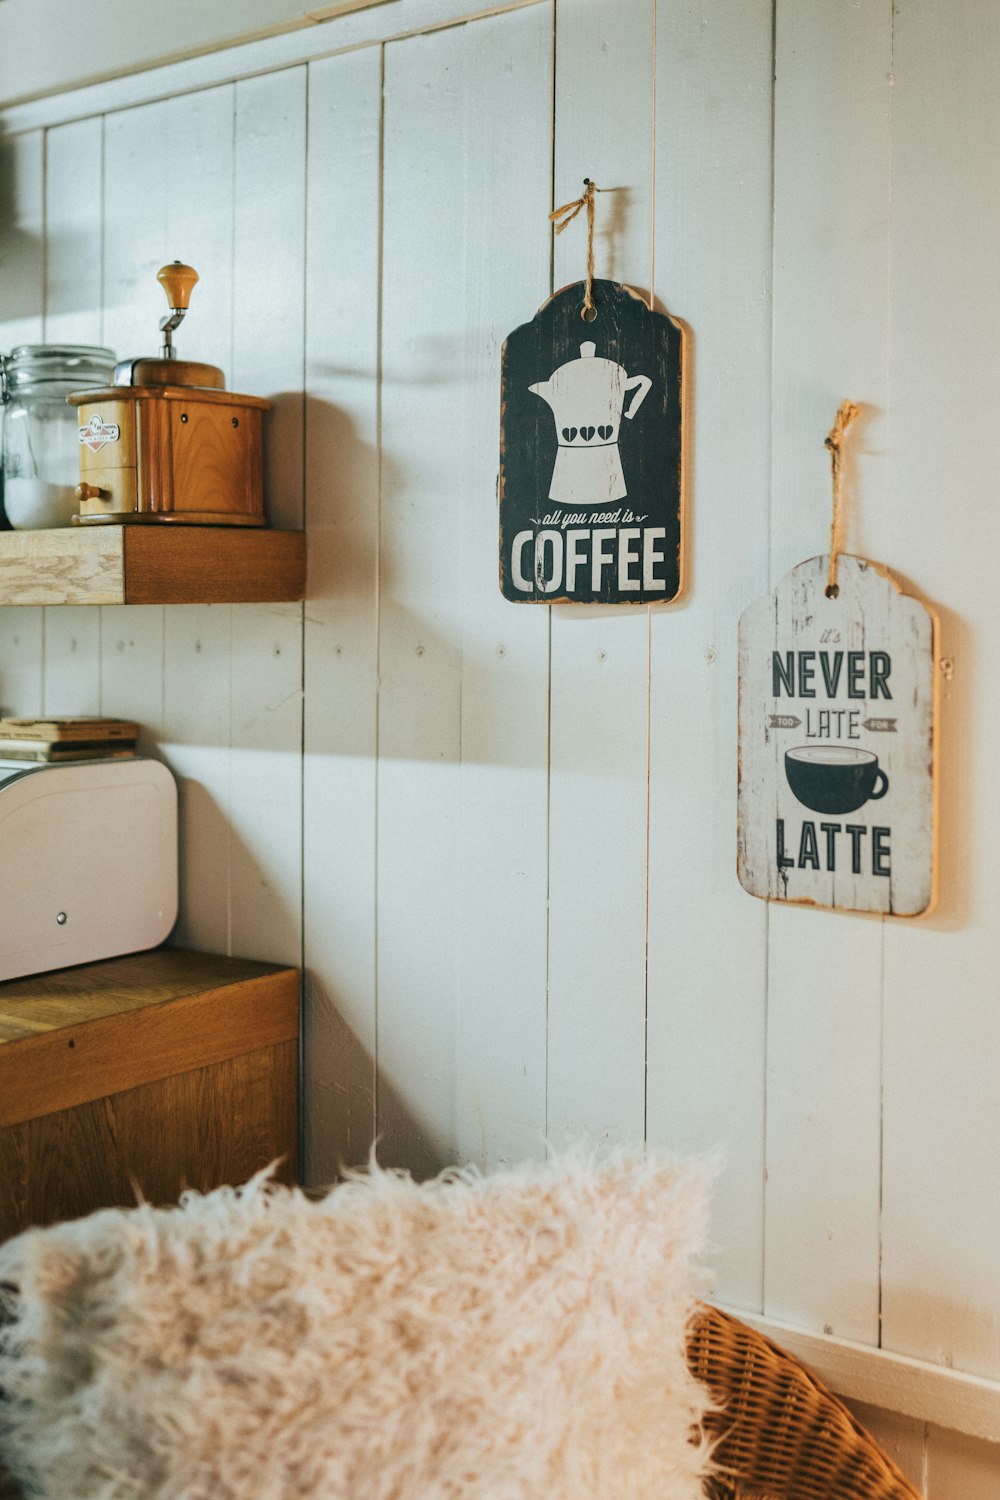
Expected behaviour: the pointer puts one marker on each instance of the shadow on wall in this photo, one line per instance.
(20, 250)
(613, 223)
(340, 1086)
(955, 665)
(220, 871)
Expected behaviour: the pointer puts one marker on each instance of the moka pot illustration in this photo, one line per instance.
(587, 397)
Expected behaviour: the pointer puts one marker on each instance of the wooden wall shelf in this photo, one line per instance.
(152, 564)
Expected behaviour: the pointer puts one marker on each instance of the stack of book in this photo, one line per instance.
(67, 739)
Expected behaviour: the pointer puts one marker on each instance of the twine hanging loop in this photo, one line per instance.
(565, 215)
(847, 412)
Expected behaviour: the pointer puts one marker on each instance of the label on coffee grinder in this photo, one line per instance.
(836, 799)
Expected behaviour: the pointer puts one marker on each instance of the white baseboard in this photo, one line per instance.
(895, 1382)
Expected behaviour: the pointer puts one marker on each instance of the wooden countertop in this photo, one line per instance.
(78, 1034)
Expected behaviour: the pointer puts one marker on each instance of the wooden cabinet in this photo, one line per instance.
(157, 1071)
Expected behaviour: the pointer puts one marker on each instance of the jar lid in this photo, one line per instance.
(79, 364)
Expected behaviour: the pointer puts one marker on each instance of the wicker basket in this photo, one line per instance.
(781, 1434)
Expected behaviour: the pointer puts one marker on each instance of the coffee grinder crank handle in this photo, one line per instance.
(178, 282)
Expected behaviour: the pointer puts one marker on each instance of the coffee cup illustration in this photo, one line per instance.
(834, 778)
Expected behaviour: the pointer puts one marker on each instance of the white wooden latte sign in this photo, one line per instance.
(837, 733)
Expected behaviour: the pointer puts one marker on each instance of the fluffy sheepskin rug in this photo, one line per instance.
(512, 1337)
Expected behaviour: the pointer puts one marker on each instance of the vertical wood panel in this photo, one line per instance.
(168, 183)
(22, 304)
(500, 1022)
(131, 661)
(72, 661)
(74, 169)
(269, 206)
(430, 123)
(942, 1029)
(600, 657)
(265, 783)
(961, 1468)
(195, 745)
(22, 227)
(74, 173)
(21, 661)
(341, 640)
(903, 1438)
(265, 769)
(713, 268)
(831, 222)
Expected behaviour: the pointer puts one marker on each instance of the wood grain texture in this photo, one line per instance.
(201, 1128)
(150, 565)
(227, 566)
(81, 1033)
(200, 456)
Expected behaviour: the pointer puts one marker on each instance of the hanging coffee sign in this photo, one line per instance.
(590, 448)
(836, 741)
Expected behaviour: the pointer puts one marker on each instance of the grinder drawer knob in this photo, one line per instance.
(90, 492)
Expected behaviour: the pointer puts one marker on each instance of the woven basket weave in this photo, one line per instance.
(780, 1434)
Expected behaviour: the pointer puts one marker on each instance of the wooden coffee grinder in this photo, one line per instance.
(167, 441)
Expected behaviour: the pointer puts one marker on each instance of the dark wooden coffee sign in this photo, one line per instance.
(837, 735)
(590, 453)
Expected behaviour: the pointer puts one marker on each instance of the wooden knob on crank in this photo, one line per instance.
(178, 281)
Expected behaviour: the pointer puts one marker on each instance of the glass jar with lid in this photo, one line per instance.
(41, 446)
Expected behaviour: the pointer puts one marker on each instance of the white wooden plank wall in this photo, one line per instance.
(942, 1024)
(707, 1000)
(599, 776)
(500, 1024)
(831, 218)
(501, 840)
(341, 636)
(427, 120)
(74, 157)
(22, 322)
(266, 656)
